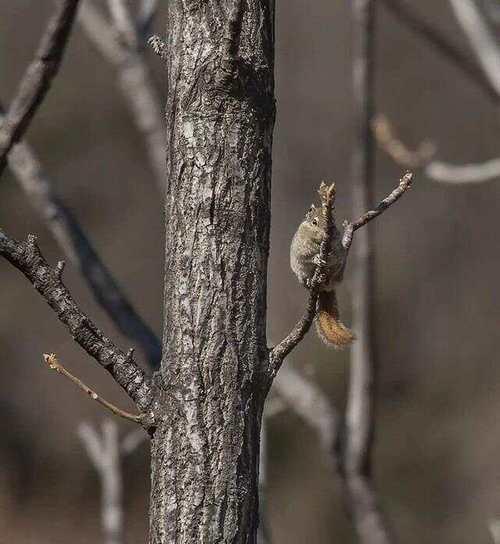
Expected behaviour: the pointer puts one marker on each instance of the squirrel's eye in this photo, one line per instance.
(315, 222)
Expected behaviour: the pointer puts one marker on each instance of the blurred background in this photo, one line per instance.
(437, 455)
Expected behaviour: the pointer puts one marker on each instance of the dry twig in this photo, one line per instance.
(37, 78)
(283, 348)
(27, 258)
(54, 364)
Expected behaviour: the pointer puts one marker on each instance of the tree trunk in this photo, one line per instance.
(220, 117)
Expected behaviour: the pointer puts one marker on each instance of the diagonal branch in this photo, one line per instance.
(312, 406)
(79, 251)
(480, 38)
(37, 78)
(133, 76)
(54, 364)
(406, 13)
(27, 258)
(283, 348)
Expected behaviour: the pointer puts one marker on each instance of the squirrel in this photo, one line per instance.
(304, 258)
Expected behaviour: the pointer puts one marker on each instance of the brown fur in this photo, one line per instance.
(328, 325)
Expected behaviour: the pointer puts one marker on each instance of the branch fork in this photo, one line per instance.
(327, 194)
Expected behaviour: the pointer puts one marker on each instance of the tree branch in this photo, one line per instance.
(356, 458)
(464, 173)
(405, 12)
(79, 251)
(433, 169)
(283, 348)
(307, 400)
(54, 364)
(27, 258)
(349, 228)
(133, 76)
(106, 453)
(480, 38)
(37, 78)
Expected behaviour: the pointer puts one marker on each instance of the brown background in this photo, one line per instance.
(437, 295)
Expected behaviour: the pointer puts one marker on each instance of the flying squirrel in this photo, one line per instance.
(305, 257)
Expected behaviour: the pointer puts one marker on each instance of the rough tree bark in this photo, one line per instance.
(220, 117)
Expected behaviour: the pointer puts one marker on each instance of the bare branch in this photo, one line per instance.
(132, 441)
(406, 13)
(307, 400)
(123, 23)
(281, 350)
(54, 364)
(134, 81)
(79, 251)
(356, 459)
(349, 228)
(27, 258)
(37, 78)
(100, 34)
(397, 150)
(483, 43)
(104, 452)
(466, 173)
(436, 170)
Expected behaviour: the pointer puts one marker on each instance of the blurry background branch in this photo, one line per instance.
(77, 248)
(37, 78)
(422, 158)
(356, 456)
(120, 41)
(405, 11)
(482, 41)
(107, 453)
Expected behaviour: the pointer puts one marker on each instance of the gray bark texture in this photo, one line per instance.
(213, 380)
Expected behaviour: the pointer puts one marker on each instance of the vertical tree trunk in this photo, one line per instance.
(220, 117)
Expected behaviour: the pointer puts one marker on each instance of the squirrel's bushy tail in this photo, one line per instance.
(328, 325)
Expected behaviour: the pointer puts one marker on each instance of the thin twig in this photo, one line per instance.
(79, 251)
(407, 14)
(37, 78)
(281, 350)
(54, 364)
(27, 258)
(133, 78)
(482, 41)
(349, 228)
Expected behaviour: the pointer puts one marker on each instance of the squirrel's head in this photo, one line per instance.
(314, 224)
